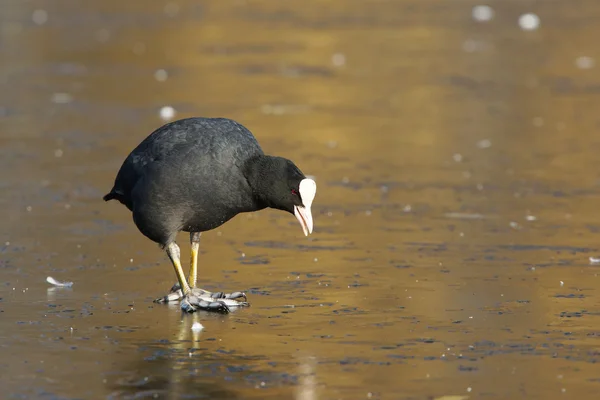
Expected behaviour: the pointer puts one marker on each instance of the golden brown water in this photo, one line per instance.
(456, 214)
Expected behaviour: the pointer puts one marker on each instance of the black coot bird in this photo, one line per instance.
(194, 175)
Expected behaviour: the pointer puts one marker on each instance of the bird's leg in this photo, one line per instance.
(176, 293)
(203, 299)
(195, 242)
(175, 256)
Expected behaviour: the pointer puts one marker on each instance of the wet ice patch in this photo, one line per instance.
(56, 283)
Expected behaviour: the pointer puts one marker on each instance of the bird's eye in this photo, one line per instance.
(294, 192)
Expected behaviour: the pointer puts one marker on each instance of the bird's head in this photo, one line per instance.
(281, 185)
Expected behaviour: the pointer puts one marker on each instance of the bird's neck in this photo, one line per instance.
(257, 171)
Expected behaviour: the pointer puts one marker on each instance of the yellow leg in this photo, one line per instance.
(174, 254)
(195, 241)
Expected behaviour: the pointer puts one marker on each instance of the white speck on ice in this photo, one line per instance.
(584, 62)
(562, 283)
(61, 98)
(39, 17)
(482, 13)
(102, 35)
(529, 22)
(472, 45)
(338, 60)
(171, 9)
(161, 75)
(197, 327)
(281, 109)
(594, 260)
(530, 217)
(484, 144)
(457, 157)
(459, 215)
(167, 113)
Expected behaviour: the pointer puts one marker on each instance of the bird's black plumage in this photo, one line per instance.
(197, 173)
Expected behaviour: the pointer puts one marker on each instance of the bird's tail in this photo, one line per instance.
(110, 196)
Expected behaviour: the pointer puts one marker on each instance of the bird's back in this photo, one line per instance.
(202, 148)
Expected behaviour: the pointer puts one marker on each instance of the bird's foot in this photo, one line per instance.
(175, 294)
(200, 299)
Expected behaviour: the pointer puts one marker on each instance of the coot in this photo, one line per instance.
(194, 175)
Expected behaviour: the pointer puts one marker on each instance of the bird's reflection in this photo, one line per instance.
(307, 381)
(172, 370)
(51, 292)
(186, 367)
